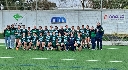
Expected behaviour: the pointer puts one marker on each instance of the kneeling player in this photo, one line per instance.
(41, 42)
(22, 43)
(48, 42)
(29, 41)
(60, 44)
(78, 42)
(34, 40)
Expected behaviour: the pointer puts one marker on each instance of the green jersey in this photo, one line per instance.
(78, 40)
(65, 39)
(29, 38)
(45, 32)
(87, 32)
(18, 32)
(60, 39)
(67, 30)
(13, 31)
(35, 31)
(54, 37)
(7, 33)
(56, 32)
(34, 39)
(23, 39)
(74, 32)
(41, 38)
(51, 31)
(82, 31)
(93, 33)
(48, 38)
(41, 31)
(24, 31)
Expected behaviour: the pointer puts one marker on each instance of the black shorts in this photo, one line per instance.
(79, 45)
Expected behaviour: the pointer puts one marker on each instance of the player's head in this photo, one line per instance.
(29, 34)
(51, 26)
(98, 24)
(28, 28)
(40, 27)
(82, 26)
(8, 26)
(19, 26)
(35, 34)
(41, 34)
(92, 28)
(87, 26)
(66, 26)
(72, 27)
(61, 27)
(53, 33)
(45, 27)
(23, 26)
(12, 25)
(78, 27)
(34, 27)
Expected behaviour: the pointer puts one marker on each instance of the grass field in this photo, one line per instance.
(22, 60)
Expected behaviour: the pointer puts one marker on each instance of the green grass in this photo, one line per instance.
(22, 59)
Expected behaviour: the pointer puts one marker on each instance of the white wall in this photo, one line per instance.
(73, 17)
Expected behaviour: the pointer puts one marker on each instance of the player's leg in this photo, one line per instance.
(43, 46)
(19, 44)
(12, 41)
(38, 45)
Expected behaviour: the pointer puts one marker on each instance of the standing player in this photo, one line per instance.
(45, 31)
(35, 30)
(7, 33)
(93, 37)
(24, 30)
(51, 30)
(54, 41)
(78, 29)
(78, 42)
(82, 31)
(74, 31)
(40, 30)
(56, 30)
(87, 36)
(99, 35)
(18, 35)
(67, 30)
(61, 30)
(12, 36)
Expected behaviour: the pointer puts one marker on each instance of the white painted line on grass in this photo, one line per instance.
(113, 48)
(68, 59)
(6, 57)
(2, 45)
(115, 61)
(40, 58)
(92, 60)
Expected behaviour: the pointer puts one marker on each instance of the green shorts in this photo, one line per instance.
(18, 37)
(83, 36)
